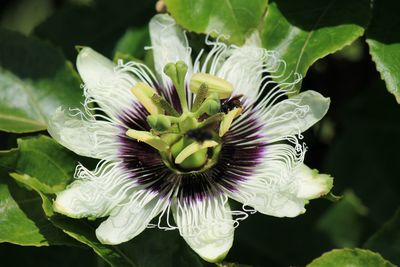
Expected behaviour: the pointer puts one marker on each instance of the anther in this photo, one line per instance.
(215, 84)
(148, 138)
(144, 93)
(227, 120)
(200, 96)
(163, 104)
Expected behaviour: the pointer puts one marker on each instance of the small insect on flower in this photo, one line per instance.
(231, 103)
(186, 141)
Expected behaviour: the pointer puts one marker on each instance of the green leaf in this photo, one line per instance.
(236, 18)
(350, 258)
(8, 159)
(33, 183)
(387, 239)
(383, 39)
(132, 43)
(83, 231)
(39, 163)
(22, 220)
(305, 30)
(35, 79)
(348, 211)
(23, 16)
(49, 164)
(170, 248)
(16, 227)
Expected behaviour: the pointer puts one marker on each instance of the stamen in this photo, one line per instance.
(213, 119)
(162, 103)
(177, 73)
(227, 120)
(201, 95)
(214, 83)
(149, 139)
(193, 148)
(144, 93)
(210, 106)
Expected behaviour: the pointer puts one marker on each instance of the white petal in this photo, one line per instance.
(90, 138)
(312, 184)
(81, 199)
(244, 70)
(93, 67)
(169, 43)
(130, 219)
(95, 193)
(207, 226)
(292, 196)
(280, 185)
(109, 87)
(272, 187)
(295, 115)
(277, 204)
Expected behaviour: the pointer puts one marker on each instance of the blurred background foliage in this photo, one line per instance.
(357, 142)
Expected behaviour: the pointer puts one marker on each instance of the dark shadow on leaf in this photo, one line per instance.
(385, 22)
(99, 25)
(60, 256)
(154, 247)
(28, 58)
(31, 204)
(310, 15)
(263, 240)
(151, 248)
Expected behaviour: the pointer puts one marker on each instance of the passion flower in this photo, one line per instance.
(186, 141)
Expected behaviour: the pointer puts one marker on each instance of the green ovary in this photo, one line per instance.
(194, 161)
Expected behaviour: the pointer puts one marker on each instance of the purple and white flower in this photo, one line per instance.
(178, 146)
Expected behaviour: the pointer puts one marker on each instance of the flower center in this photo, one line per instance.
(189, 141)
